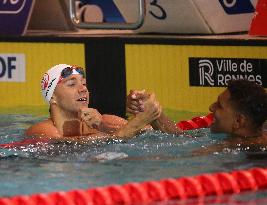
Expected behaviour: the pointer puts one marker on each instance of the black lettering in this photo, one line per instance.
(162, 15)
(10, 66)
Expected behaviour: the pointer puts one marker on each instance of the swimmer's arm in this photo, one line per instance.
(111, 127)
(112, 123)
(151, 112)
(136, 125)
(118, 128)
(132, 128)
(164, 124)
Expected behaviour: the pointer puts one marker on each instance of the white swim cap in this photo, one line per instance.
(50, 80)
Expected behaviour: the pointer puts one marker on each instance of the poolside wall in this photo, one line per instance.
(170, 67)
(167, 70)
(38, 56)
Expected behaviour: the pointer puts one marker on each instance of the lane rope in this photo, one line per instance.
(199, 186)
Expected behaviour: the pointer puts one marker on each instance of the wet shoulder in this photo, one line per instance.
(44, 128)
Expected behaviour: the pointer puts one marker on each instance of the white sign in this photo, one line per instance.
(12, 67)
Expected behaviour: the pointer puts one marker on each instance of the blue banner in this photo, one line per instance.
(14, 16)
(232, 7)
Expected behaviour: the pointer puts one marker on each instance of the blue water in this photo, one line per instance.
(148, 156)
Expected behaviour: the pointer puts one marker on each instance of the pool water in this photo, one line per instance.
(44, 167)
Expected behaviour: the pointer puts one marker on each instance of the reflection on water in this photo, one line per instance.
(46, 167)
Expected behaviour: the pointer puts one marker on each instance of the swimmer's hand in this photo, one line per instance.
(152, 111)
(135, 101)
(91, 117)
(139, 101)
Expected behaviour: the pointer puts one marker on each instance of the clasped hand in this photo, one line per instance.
(91, 117)
(143, 102)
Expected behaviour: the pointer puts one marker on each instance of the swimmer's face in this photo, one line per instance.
(223, 114)
(71, 94)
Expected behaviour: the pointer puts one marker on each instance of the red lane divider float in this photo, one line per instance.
(215, 184)
(196, 122)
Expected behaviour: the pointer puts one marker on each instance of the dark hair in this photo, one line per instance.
(250, 99)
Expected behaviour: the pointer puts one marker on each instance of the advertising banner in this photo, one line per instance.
(22, 65)
(12, 67)
(14, 16)
(190, 77)
(216, 72)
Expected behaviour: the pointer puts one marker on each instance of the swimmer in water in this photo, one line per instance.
(64, 89)
(240, 111)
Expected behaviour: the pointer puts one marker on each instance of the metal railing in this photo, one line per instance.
(108, 25)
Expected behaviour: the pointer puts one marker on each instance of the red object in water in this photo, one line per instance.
(22, 143)
(259, 22)
(187, 125)
(196, 122)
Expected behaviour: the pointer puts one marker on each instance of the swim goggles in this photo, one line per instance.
(66, 72)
